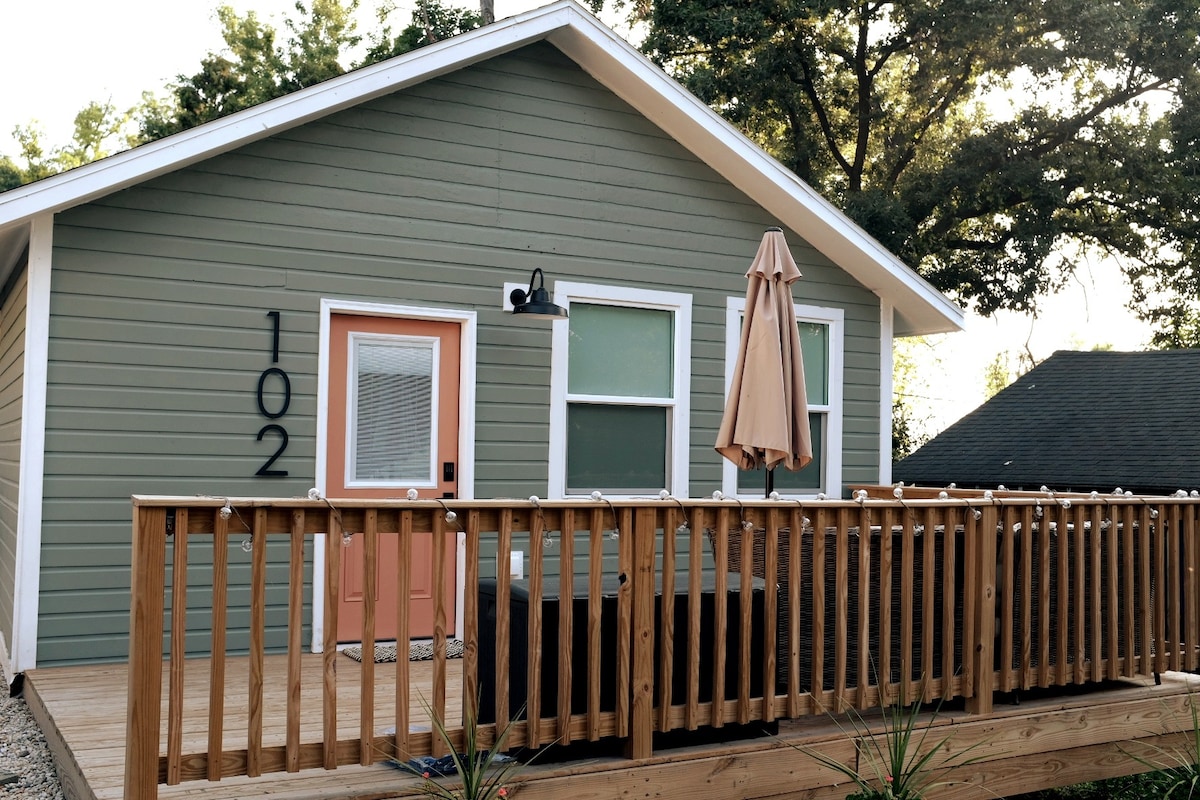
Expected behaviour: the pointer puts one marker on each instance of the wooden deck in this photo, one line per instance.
(1040, 742)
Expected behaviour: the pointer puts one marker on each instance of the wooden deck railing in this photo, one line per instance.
(741, 613)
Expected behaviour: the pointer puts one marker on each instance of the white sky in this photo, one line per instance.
(58, 55)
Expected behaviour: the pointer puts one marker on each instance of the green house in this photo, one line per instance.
(255, 307)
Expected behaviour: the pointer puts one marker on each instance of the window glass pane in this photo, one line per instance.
(753, 483)
(393, 412)
(620, 449)
(814, 345)
(620, 351)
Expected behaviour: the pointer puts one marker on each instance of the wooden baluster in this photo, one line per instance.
(1190, 599)
(333, 572)
(366, 683)
(1174, 590)
(440, 626)
(745, 582)
(179, 586)
(1063, 541)
(642, 623)
(295, 641)
(216, 672)
(471, 619)
(928, 601)
(720, 613)
(818, 607)
(971, 534)
(907, 592)
(595, 619)
(403, 578)
(884, 678)
(504, 620)
(1128, 598)
(795, 587)
(954, 524)
(1005, 584)
(144, 707)
(1096, 586)
(1046, 542)
(258, 632)
(1113, 594)
(983, 593)
(691, 714)
(1028, 543)
(625, 567)
(533, 654)
(566, 626)
(666, 634)
(841, 607)
(864, 655)
(770, 618)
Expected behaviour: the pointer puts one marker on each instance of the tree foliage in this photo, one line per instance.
(96, 134)
(992, 144)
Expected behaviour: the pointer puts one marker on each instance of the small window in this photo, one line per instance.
(619, 407)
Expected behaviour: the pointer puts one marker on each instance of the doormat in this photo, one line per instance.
(417, 651)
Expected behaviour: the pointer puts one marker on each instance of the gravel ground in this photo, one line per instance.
(26, 768)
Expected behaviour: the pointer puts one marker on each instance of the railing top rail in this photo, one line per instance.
(978, 500)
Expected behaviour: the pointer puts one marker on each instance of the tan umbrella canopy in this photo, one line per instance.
(766, 414)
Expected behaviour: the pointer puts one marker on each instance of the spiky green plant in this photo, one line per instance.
(899, 762)
(482, 774)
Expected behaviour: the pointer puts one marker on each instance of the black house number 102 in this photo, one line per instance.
(277, 407)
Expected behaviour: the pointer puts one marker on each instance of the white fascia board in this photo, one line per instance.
(609, 59)
(131, 167)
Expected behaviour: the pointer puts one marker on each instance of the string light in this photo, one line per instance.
(411, 494)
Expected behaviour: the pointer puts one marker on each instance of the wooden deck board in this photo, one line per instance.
(85, 706)
(1052, 740)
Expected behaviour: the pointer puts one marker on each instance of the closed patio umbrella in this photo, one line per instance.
(766, 413)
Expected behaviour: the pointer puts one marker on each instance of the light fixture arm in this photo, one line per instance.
(536, 303)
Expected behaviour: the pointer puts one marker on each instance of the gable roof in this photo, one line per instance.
(1085, 421)
(919, 307)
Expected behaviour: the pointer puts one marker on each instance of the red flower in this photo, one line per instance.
(426, 775)
(889, 779)
(502, 792)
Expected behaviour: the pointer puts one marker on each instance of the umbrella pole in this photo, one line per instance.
(770, 482)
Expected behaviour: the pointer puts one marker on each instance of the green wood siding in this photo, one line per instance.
(434, 196)
(12, 375)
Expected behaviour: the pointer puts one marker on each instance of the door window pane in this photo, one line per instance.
(620, 351)
(619, 449)
(393, 411)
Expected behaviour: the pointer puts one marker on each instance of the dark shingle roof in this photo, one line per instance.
(1081, 421)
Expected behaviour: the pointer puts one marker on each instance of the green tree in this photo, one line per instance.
(910, 391)
(992, 145)
(431, 22)
(97, 133)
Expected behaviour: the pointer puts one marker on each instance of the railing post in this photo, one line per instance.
(983, 649)
(147, 583)
(642, 722)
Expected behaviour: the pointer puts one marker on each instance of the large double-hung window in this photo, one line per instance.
(821, 343)
(619, 392)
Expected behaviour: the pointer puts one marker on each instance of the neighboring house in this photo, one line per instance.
(1079, 421)
(215, 312)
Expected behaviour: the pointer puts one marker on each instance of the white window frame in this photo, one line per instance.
(835, 320)
(678, 407)
(433, 345)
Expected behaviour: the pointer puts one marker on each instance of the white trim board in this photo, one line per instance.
(22, 650)
(468, 354)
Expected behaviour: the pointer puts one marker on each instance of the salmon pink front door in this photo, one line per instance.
(393, 426)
